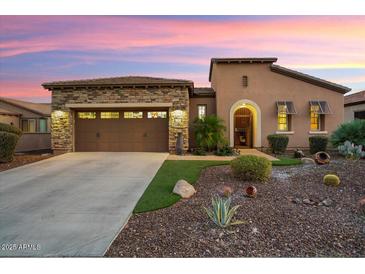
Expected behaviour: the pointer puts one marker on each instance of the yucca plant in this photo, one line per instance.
(221, 213)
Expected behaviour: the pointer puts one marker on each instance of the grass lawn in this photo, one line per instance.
(286, 161)
(159, 193)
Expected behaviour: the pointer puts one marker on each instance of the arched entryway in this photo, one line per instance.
(242, 108)
(243, 128)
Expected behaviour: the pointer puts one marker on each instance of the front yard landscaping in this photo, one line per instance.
(294, 214)
(21, 160)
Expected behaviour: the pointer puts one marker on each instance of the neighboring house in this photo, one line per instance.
(355, 106)
(253, 96)
(32, 118)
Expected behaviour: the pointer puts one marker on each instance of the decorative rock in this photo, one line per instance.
(362, 206)
(296, 201)
(327, 202)
(251, 191)
(308, 202)
(184, 189)
(299, 154)
(308, 161)
(322, 158)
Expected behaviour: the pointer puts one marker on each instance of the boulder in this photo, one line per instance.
(299, 153)
(308, 161)
(184, 189)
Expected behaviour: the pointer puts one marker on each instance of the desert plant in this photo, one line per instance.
(317, 143)
(8, 143)
(251, 167)
(224, 150)
(199, 151)
(353, 132)
(278, 143)
(209, 132)
(331, 180)
(221, 213)
(351, 151)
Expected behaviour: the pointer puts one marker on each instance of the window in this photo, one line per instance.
(315, 118)
(202, 111)
(359, 114)
(109, 115)
(318, 109)
(285, 109)
(133, 115)
(87, 115)
(244, 81)
(29, 125)
(156, 114)
(42, 125)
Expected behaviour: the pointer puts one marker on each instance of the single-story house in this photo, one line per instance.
(34, 119)
(253, 96)
(355, 106)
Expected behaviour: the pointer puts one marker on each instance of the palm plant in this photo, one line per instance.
(209, 132)
(221, 213)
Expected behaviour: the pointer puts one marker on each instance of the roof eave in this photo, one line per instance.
(309, 79)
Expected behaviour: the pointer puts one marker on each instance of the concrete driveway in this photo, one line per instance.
(73, 204)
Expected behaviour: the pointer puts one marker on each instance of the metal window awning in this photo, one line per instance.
(323, 106)
(288, 105)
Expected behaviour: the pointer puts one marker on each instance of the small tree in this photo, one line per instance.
(209, 132)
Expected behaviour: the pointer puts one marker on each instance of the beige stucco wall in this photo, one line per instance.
(349, 111)
(210, 102)
(265, 88)
(8, 119)
(62, 129)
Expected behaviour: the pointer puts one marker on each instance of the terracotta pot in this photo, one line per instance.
(322, 158)
(251, 191)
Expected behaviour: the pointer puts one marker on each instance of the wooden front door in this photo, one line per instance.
(243, 128)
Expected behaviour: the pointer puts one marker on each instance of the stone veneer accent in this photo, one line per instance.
(62, 117)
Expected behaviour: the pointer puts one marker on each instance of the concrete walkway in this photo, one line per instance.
(222, 158)
(73, 204)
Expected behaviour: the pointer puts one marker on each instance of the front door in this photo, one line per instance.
(243, 128)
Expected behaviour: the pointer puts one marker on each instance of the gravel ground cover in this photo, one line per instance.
(294, 215)
(20, 160)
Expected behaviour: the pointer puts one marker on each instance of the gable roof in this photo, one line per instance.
(355, 98)
(250, 60)
(127, 81)
(39, 108)
(309, 79)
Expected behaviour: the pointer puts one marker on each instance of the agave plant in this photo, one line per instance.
(221, 213)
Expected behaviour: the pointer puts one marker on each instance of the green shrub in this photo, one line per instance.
(353, 132)
(317, 143)
(9, 128)
(278, 143)
(225, 150)
(331, 180)
(200, 152)
(8, 143)
(251, 167)
(209, 132)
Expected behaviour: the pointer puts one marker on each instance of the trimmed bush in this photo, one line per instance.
(251, 167)
(8, 143)
(9, 128)
(317, 143)
(353, 132)
(278, 143)
(331, 180)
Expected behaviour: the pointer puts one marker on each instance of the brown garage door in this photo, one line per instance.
(121, 130)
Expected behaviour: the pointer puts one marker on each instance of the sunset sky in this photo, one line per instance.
(36, 49)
